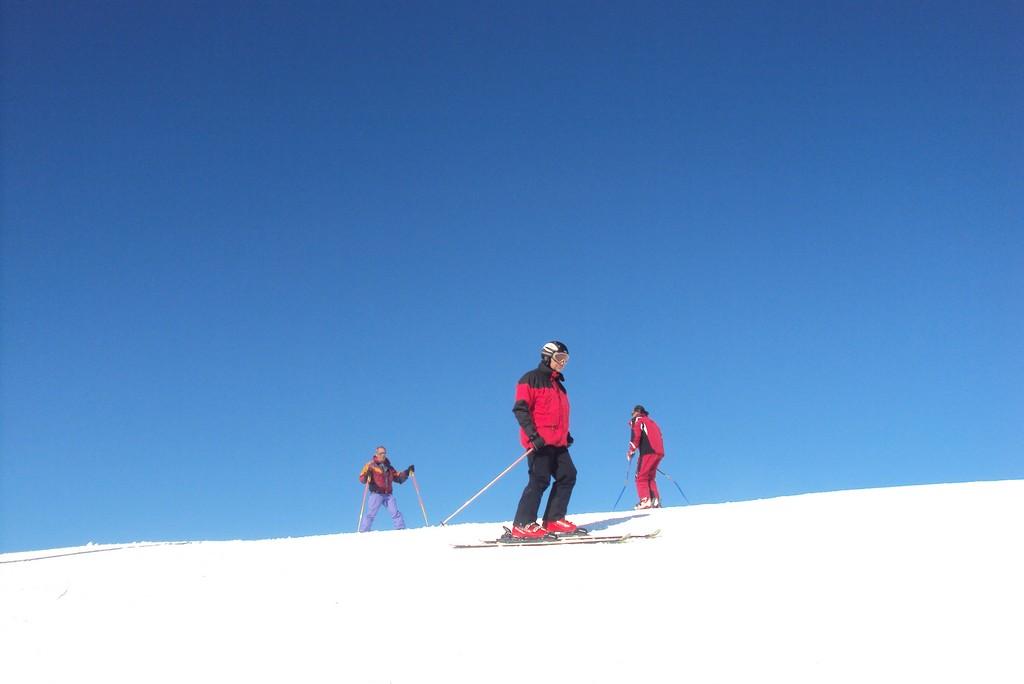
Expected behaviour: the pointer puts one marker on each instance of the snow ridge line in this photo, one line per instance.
(80, 553)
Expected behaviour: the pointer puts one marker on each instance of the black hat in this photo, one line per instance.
(640, 409)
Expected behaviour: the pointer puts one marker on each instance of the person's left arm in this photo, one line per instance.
(401, 476)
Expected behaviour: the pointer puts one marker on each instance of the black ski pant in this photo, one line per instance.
(549, 462)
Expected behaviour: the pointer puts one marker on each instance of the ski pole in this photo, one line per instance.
(487, 486)
(414, 484)
(625, 484)
(675, 483)
(362, 505)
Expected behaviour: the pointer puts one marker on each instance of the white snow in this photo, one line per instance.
(911, 584)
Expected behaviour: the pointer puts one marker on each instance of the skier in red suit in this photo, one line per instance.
(645, 438)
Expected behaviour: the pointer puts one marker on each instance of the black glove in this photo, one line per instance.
(538, 442)
(570, 440)
(411, 469)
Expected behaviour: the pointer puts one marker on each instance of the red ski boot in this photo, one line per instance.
(528, 531)
(562, 527)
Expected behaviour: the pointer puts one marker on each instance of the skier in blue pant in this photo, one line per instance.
(379, 474)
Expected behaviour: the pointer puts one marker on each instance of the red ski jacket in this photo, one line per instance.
(646, 436)
(381, 475)
(542, 407)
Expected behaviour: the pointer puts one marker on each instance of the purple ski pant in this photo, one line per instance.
(373, 505)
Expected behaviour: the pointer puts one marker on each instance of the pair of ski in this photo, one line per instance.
(556, 540)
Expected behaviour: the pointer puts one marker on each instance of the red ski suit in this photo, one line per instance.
(645, 437)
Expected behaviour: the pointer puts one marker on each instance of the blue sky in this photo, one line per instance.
(245, 243)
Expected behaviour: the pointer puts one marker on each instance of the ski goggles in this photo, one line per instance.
(560, 357)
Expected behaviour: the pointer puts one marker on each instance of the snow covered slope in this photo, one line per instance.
(912, 584)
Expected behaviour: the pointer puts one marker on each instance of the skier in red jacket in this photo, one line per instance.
(542, 410)
(645, 438)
